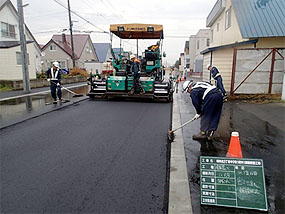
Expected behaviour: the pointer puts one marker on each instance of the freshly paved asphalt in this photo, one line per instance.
(91, 157)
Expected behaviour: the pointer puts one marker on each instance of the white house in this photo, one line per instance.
(198, 42)
(10, 50)
(255, 25)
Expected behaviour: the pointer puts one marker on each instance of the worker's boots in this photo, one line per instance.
(200, 136)
(132, 91)
(210, 135)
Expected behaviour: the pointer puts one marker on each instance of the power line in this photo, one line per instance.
(75, 13)
(115, 10)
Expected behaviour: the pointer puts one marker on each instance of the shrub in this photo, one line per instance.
(5, 88)
(41, 75)
(78, 72)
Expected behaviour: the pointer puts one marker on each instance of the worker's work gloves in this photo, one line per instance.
(57, 84)
(48, 79)
(225, 97)
(196, 116)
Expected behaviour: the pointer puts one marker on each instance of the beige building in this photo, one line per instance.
(198, 43)
(10, 50)
(241, 24)
(59, 49)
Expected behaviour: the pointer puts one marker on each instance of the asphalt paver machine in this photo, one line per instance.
(119, 83)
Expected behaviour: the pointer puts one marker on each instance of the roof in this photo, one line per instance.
(137, 31)
(79, 41)
(260, 18)
(229, 45)
(101, 50)
(10, 44)
(186, 45)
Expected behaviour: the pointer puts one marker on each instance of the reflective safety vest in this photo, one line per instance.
(205, 85)
(54, 75)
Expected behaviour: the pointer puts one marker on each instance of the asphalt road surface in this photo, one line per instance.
(93, 157)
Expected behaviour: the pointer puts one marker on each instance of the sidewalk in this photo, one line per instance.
(5, 95)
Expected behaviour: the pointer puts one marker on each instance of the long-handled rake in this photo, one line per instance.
(72, 92)
(170, 133)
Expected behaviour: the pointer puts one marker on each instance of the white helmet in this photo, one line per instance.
(186, 85)
(132, 56)
(55, 64)
(208, 66)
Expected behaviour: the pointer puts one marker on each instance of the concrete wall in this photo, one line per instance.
(258, 82)
(94, 66)
(9, 70)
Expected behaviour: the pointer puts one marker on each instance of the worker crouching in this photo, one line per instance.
(208, 102)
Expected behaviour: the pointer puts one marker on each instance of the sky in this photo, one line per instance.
(180, 19)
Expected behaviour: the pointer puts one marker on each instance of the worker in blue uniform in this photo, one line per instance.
(136, 73)
(208, 102)
(219, 81)
(54, 77)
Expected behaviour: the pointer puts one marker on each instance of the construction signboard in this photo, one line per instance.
(233, 182)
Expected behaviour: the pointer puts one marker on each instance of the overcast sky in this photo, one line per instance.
(180, 19)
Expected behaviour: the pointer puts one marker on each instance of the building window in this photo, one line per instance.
(8, 30)
(228, 18)
(208, 42)
(218, 27)
(52, 47)
(212, 35)
(198, 44)
(19, 58)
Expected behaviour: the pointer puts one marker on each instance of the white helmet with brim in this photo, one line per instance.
(55, 64)
(187, 84)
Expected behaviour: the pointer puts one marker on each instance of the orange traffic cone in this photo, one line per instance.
(235, 148)
(182, 79)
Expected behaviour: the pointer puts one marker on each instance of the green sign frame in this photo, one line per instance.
(233, 182)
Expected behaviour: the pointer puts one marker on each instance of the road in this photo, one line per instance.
(91, 157)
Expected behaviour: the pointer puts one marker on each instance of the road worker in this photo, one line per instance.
(219, 81)
(136, 73)
(54, 77)
(208, 102)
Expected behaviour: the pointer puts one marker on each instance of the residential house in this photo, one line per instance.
(59, 49)
(242, 24)
(103, 51)
(182, 60)
(186, 55)
(10, 50)
(198, 42)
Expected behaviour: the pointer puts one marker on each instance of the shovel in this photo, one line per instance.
(170, 133)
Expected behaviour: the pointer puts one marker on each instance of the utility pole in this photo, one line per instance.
(71, 37)
(25, 69)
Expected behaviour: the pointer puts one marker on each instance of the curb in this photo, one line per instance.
(179, 192)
